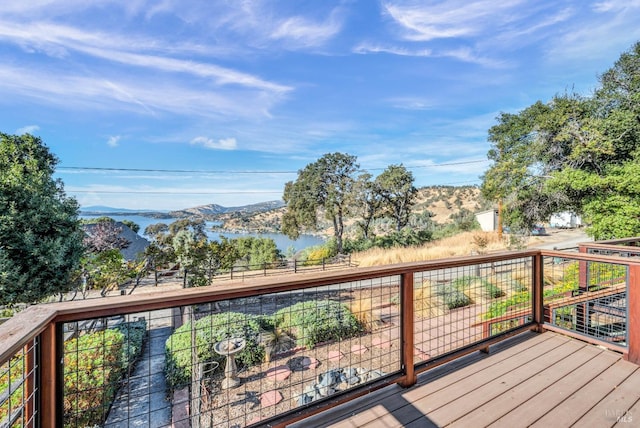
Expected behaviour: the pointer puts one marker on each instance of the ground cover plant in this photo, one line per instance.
(94, 365)
(317, 321)
(10, 374)
(477, 288)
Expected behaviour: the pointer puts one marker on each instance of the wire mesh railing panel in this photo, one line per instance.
(114, 371)
(457, 307)
(18, 389)
(587, 297)
(231, 363)
(261, 357)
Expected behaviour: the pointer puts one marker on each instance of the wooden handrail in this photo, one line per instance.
(29, 323)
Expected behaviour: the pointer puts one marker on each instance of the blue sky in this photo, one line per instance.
(196, 102)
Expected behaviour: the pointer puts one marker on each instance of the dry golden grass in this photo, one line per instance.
(362, 309)
(459, 245)
(425, 303)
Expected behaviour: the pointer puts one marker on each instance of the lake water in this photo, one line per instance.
(282, 241)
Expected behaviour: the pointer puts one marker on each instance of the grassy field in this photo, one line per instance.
(463, 244)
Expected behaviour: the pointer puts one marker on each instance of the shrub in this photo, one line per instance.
(275, 341)
(208, 331)
(10, 373)
(133, 336)
(317, 321)
(518, 301)
(94, 364)
(478, 288)
(316, 254)
(92, 370)
(452, 296)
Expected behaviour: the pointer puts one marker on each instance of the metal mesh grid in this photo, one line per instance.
(290, 349)
(114, 371)
(587, 297)
(457, 307)
(18, 389)
(625, 251)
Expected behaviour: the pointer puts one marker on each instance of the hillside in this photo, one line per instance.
(441, 201)
(215, 211)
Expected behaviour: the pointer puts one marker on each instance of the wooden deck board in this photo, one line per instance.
(630, 418)
(490, 384)
(546, 400)
(567, 412)
(521, 393)
(614, 405)
(451, 372)
(541, 379)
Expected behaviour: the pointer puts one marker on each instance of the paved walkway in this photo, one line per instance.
(142, 401)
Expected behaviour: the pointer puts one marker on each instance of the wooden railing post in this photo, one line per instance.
(406, 326)
(633, 314)
(50, 403)
(538, 292)
(29, 385)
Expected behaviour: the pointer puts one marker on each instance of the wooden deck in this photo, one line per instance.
(541, 380)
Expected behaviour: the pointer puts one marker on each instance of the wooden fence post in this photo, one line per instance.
(30, 386)
(538, 291)
(50, 403)
(406, 333)
(633, 314)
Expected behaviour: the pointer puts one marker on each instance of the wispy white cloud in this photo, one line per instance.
(412, 103)
(114, 141)
(364, 48)
(29, 129)
(598, 36)
(58, 41)
(615, 5)
(73, 91)
(300, 31)
(429, 20)
(221, 144)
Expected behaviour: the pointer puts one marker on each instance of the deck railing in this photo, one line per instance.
(300, 343)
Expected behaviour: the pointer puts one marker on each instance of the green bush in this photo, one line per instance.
(517, 301)
(208, 331)
(133, 334)
(478, 286)
(452, 296)
(92, 369)
(311, 256)
(317, 321)
(94, 365)
(10, 373)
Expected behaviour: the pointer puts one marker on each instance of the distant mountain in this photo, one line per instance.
(213, 210)
(102, 209)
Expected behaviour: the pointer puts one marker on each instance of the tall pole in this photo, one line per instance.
(500, 218)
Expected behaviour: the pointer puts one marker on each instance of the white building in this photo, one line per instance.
(565, 220)
(488, 220)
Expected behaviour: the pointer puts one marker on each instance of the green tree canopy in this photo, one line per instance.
(326, 185)
(573, 153)
(395, 185)
(40, 235)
